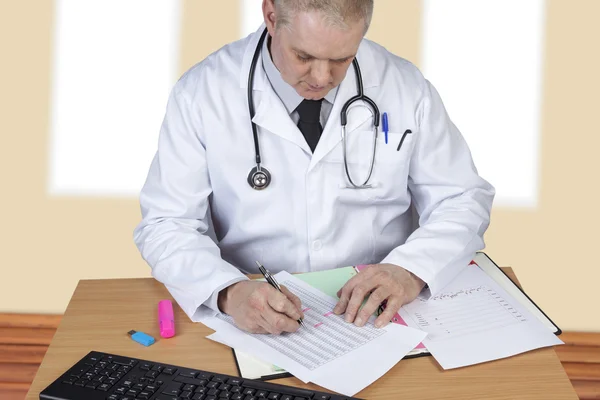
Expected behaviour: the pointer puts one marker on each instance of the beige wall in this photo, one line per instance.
(48, 243)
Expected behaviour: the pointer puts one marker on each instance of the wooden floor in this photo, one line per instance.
(24, 339)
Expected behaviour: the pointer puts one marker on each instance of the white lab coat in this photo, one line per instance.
(306, 220)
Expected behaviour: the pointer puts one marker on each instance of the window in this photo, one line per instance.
(115, 63)
(485, 59)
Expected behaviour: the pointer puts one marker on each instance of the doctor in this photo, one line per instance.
(306, 147)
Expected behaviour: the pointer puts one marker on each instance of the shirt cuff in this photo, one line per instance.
(213, 301)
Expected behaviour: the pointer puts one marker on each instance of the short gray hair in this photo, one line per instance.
(336, 12)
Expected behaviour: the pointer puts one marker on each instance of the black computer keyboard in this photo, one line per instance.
(102, 376)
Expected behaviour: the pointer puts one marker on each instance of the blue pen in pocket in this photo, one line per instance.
(385, 126)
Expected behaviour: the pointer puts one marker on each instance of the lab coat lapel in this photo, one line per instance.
(272, 116)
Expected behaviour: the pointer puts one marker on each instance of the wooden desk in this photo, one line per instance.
(102, 311)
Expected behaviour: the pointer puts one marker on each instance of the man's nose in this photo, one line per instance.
(321, 74)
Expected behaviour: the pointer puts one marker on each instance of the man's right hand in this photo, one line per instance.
(257, 307)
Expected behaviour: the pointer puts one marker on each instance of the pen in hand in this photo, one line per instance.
(271, 280)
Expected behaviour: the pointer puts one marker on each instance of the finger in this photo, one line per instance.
(282, 304)
(346, 291)
(294, 299)
(393, 305)
(276, 322)
(358, 296)
(375, 300)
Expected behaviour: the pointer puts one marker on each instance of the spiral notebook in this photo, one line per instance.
(330, 281)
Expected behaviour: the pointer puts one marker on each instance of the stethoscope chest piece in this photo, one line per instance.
(259, 178)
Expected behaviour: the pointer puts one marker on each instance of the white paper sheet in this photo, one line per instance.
(474, 320)
(329, 351)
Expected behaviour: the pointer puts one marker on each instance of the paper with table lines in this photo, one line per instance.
(329, 351)
(474, 320)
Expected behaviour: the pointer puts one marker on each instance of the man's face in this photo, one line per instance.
(313, 57)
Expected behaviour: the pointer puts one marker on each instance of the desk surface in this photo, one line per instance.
(102, 311)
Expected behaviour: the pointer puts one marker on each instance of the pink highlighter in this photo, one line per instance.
(166, 319)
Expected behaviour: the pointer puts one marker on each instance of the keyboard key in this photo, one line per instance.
(287, 397)
(81, 382)
(212, 392)
(198, 396)
(201, 390)
(211, 398)
(234, 381)
(151, 388)
(204, 375)
(236, 389)
(139, 386)
(224, 386)
(121, 390)
(79, 371)
(274, 396)
(212, 385)
(71, 380)
(248, 391)
(237, 396)
(169, 370)
(92, 385)
(113, 397)
(185, 395)
(189, 388)
(145, 366)
(104, 387)
(132, 392)
(225, 395)
(172, 389)
(163, 397)
(111, 381)
(158, 368)
(262, 393)
(152, 374)
(321, 397)
(144, 395)
(188, 374)
(190, 381)
(219, 379)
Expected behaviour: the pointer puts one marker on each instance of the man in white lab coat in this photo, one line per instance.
(204, 226)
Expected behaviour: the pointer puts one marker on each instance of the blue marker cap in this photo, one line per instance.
(385, 126)
(141, 338)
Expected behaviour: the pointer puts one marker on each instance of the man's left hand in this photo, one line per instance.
(380, 282)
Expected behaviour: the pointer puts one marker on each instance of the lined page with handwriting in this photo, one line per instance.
(474, 320)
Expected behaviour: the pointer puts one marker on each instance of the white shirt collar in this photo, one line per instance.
(288, 95)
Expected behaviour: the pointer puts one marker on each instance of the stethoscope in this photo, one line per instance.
(260, 177)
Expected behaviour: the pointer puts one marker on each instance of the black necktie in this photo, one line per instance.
(309, 122)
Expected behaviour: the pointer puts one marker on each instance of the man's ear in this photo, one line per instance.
(268, 8)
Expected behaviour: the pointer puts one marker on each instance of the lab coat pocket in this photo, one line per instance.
(387, 171)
